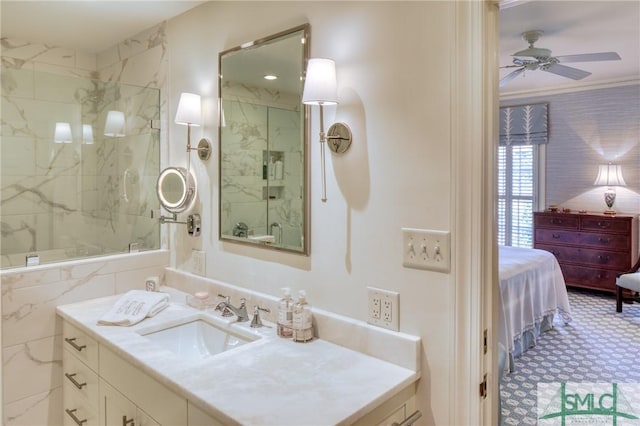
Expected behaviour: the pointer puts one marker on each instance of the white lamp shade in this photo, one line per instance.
(114, 125)
(189, 111)
(609, 175)
(62, 133)
(320, 86)
(87, 134)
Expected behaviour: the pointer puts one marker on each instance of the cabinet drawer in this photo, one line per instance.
(608, 241)
(606, 224)
(593, 257)
(77, 411)
(601, 279)
(80, 378)
(555, 221)
(80, 345)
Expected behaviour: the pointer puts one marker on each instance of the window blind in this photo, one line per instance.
(524, 125)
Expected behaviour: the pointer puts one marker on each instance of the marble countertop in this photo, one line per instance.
(269, 381)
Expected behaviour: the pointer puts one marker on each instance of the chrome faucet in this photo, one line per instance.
(228, 309)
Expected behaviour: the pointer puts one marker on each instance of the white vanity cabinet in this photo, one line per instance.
(116, 409)
(395, 410)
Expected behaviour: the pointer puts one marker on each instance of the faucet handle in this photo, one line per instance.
(243, 302)
(256, 321)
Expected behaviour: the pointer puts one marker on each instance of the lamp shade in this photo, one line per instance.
(609, 175)
(189, 111)
(114, 125)
(320, 86)
(62, 134)
(87, 134)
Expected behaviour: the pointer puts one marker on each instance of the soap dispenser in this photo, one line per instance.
(285, 314)
(302, 319)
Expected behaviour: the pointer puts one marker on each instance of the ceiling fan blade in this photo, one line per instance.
(507, 78)
(569, 72)
(589, 57)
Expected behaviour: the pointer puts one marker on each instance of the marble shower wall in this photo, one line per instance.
(66, 201)
(261, 126)
(31, 334)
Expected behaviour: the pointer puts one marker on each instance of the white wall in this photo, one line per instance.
(393, 62)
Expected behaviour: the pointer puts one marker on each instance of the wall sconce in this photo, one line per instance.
(321, 88)
(62, 133)
(115, 124)
(87, 134)
(610, 175)
(189, 114)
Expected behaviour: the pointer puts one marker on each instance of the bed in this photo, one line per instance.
(532, 292)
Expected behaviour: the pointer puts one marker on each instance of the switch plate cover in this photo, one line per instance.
(426, 249)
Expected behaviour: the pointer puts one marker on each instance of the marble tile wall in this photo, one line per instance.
(260, 129)
(32, 333)
(112, 183)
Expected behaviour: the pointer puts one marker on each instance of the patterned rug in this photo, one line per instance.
(598, 346)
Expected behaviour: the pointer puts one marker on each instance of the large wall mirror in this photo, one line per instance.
(264, 194)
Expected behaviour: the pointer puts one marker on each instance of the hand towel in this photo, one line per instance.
(134, 306)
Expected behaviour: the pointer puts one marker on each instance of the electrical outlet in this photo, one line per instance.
(426, 249)
(198, 262)
(374, 306)
(384, 308)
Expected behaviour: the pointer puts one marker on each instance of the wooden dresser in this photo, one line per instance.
(592, 248)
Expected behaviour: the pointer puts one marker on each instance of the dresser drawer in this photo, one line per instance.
(608, 241)
(555, 221)
(618, 225)
(602, 279)
(80, 378)
(80, 345)
(586, 256)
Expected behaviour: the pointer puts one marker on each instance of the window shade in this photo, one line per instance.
(524, 125)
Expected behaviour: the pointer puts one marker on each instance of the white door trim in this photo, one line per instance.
(474, 250)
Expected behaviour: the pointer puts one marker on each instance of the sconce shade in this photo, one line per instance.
(114, 126)
(87, 134)
(320, 86)
(609, 175)
(62, 134)
(189, 111)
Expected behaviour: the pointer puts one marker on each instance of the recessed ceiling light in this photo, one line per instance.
(270, 77)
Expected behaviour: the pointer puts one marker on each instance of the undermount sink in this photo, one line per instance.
(197, 339)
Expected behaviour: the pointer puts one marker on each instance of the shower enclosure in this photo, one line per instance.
(79, 162)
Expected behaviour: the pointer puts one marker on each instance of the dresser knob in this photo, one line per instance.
(556, 236)
(603, 224)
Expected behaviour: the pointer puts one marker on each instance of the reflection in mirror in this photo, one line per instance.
(176, 189)
(263, 140)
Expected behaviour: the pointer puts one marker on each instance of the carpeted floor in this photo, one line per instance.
(598, 346)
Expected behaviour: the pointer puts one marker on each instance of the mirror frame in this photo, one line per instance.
(306, 204)
(188, 193)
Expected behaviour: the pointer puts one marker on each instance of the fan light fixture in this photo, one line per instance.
(321, 88)
(610, 175)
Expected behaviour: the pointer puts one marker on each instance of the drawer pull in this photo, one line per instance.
(604, 240)
(605, 257)
(409, 421)
(74, 381)
(126, 422)
(604, 225)
(556, 236)
(71, 414)
(556, 221)
(72, 342)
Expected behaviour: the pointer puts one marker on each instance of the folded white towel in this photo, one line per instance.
(134, 306)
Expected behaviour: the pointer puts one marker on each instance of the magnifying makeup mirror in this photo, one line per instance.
(176, 189)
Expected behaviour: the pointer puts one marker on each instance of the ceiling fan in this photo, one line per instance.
(538, 58)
